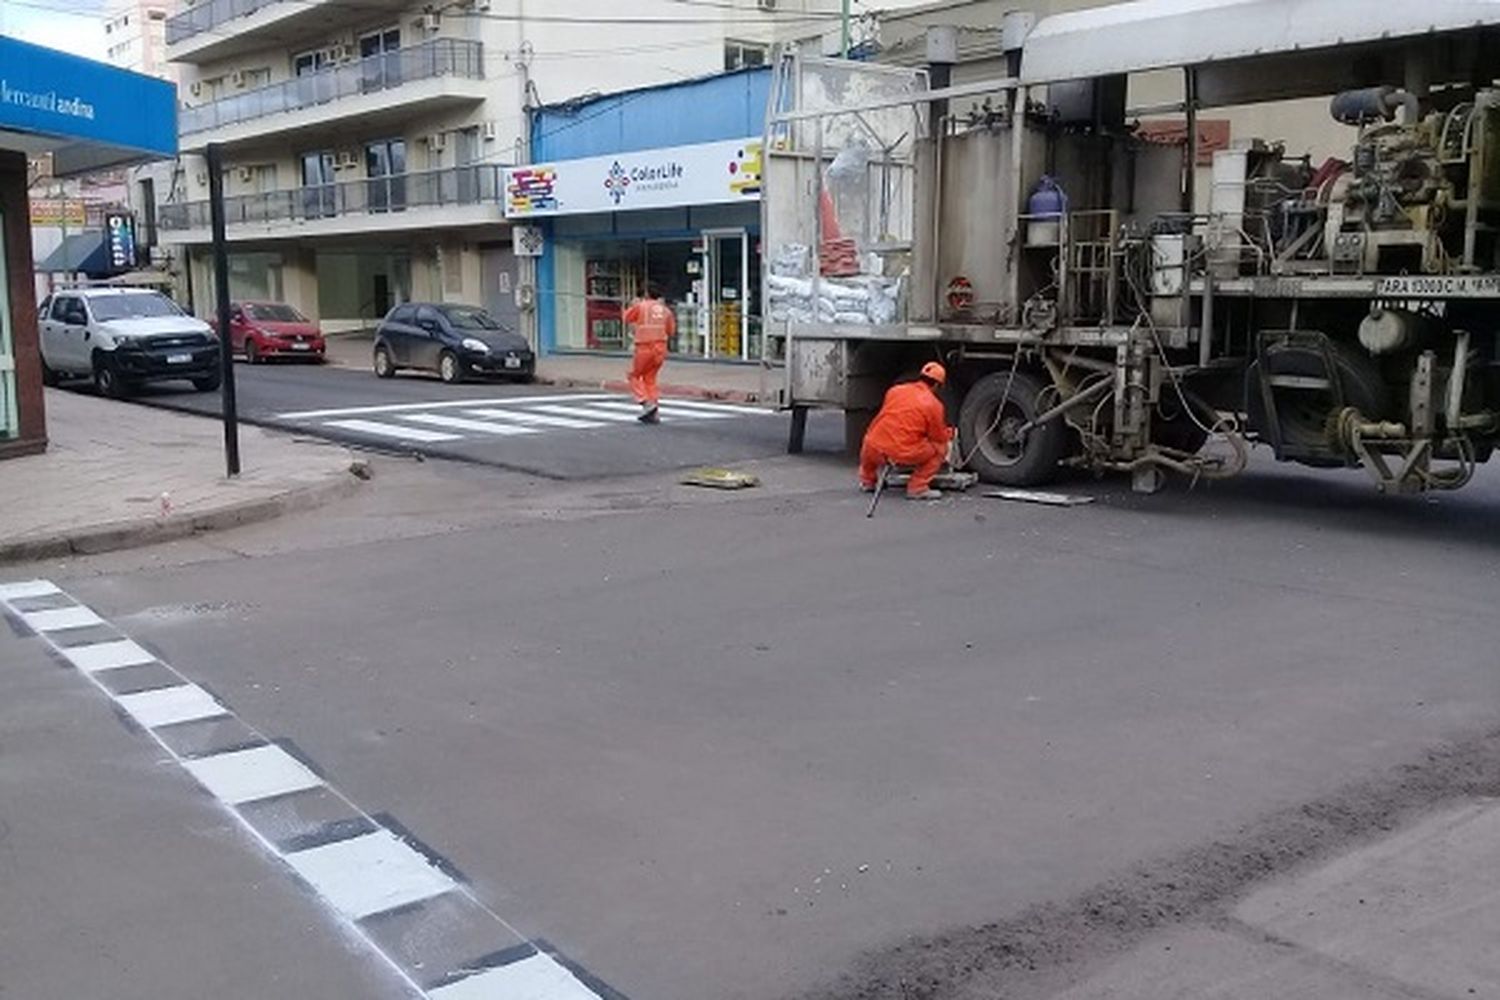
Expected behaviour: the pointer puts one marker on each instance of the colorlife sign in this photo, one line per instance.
(710, 173)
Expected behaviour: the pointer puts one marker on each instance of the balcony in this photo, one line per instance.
(427, 77)
(432, 199)
(215, 29)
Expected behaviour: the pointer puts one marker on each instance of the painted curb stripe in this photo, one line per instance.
(171, 705)
(250, 775)
(107, 656)
(369, 874)
(365, 870)
(27, 588)
(539, 977)
(58, 619)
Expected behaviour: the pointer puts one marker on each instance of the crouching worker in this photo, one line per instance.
(911, 430)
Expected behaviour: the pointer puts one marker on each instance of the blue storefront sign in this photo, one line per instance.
(108, 115)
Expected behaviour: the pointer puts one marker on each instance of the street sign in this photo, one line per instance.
(528, 241)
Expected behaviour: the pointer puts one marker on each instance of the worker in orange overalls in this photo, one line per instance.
(911, 429)
(654, 323)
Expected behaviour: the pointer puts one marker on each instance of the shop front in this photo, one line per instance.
(657, 189)
(88, 116)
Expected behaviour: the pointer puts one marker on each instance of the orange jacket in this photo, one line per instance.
(653, 321)
(911, 421)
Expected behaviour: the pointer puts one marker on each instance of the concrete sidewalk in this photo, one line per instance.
(736, 382)
(117, 476)
(1413, 916)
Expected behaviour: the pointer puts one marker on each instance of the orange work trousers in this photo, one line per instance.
(924, 461)
(643, 369)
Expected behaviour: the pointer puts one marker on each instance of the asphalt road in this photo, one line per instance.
(758, 747)
(414, 413)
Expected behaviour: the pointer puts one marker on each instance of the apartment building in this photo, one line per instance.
(135, 36)
(365, 142)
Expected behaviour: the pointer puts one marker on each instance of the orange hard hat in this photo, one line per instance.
(934, 371)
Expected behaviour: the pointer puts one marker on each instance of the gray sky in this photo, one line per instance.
(49, 23)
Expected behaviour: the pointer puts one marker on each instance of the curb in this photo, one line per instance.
(116, 535)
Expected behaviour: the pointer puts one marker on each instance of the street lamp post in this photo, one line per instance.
(221, 294)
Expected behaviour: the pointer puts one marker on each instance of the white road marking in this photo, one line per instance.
(355, 411)
(357, 877)
(668, 410)
(539, 977)
(584, 413)
(61, 618)
(27, 588)
(466, 424)
(537, 419)
(717, 407)
(107, 656)
(394, 431)
(253, 774)
(169, 706)
(369, 874)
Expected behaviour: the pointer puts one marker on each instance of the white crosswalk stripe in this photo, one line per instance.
(448, 421)
(379, 429)
(467, 424)
(537, 419)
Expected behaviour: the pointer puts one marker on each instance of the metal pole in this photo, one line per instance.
(221, 294)
(844, 42)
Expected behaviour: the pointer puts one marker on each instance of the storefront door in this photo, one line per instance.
(9, 419)
(726, 271)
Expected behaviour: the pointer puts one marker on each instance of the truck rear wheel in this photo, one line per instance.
(989, 423)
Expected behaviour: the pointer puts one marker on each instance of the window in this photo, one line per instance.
(133, 305)
(403, 314)
(427, 318)
(146, 188)
(309, 62)
(63, 306)
(385, 166)
(740, 55)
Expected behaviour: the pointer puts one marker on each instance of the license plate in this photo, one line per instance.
(179, 359)
(512, 362)
(301, 347)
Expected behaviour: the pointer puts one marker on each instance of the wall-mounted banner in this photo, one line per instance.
(710, 173)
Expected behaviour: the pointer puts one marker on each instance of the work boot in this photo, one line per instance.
(865, 487)
(650, 415)
(928, 494)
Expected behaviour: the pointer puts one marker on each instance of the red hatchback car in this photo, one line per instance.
(264, 330)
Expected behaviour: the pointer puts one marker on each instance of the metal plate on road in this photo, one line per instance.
(1438, 286)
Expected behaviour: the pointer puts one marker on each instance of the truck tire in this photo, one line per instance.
(986, 432)
(108, 382)
(1305, 416)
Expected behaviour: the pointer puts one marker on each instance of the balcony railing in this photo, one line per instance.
(208, 15)
(439, 57)
(473, 185)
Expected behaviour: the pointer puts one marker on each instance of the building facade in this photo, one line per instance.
(135, 36)
(80, 116)
(366, 143)
(655, 189)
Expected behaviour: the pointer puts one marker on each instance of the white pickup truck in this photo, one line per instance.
(121, 338)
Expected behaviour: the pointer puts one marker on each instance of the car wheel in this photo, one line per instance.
(989, 424)
(384, 367)
(252, 353)
(208, 383)
(450, 369)
(109, 382)
(50, 377)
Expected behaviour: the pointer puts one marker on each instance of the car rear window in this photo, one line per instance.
(132, 305)
(274, 313)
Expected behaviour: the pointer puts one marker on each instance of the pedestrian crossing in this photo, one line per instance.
(452, 421)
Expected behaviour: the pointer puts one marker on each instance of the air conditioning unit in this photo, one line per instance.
(246, 174)
(237, 78)
(437, 142)
(347, 159)
(766, 4)
(196, 88)
(342, 52)
(202, 178)
(431, 22)
(480, 5)
(489, 131)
